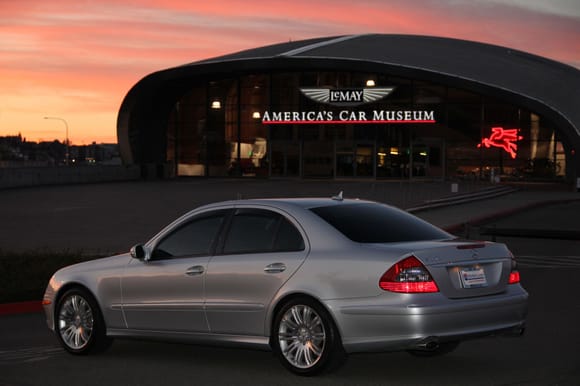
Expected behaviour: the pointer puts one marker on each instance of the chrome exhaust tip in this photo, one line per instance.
(429, 344)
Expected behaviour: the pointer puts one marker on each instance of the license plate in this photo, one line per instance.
(472, 277)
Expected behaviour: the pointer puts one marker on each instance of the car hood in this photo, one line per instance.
(96, 265)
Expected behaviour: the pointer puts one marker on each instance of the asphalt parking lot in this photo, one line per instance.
(114, 216)
(109, 218)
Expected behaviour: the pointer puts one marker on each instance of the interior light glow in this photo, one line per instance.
(371, 83)
(216, 105)
(256, 115)
(394, 151)
(423, 153)
(503, 138)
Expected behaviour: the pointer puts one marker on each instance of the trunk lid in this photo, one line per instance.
(465, 269)
(460, 268)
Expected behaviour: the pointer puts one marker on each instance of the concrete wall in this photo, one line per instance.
(34, 176)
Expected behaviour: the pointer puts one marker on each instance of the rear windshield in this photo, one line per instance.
(375, 223)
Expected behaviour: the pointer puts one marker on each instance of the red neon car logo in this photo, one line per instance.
(503, 138)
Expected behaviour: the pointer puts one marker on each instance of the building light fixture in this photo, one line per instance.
(371, 83)
(256, 115)
(216, 105)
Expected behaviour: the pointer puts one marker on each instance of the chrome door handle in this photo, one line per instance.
(195, 270)
(275, 268)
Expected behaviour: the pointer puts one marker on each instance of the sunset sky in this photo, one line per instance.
(77, 59)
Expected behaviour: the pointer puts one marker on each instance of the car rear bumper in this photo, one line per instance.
(413, 321)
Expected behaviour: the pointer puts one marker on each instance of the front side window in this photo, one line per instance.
(254, 230)
(196, 237)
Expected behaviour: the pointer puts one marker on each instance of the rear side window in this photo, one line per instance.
(257, 230)
(288, 238)
(376, 223)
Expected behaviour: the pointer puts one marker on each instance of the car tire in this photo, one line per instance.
(442, 349)
(79, 324)
(305, 338)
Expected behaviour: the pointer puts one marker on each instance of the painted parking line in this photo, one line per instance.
(30, 354)
(549, 261)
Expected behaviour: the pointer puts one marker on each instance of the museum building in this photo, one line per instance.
(358, 106)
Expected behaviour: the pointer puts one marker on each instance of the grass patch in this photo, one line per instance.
(25, 275)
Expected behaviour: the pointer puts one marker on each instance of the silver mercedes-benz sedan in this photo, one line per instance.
(312, 279)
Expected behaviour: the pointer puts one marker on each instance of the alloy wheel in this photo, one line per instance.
(75, 321)
(302, 336)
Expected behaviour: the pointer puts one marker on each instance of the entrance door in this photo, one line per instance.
(427, 158)
(285, 159)
(364, 160)
(345, 160)
(354, 160)
(317, 160)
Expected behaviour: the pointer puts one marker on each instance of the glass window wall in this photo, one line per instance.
(216, 130)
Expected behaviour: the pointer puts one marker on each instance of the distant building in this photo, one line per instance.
(15, 151)
(363, 106)
(95, 154)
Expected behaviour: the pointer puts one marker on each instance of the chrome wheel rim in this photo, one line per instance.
(75, 322)
(301, 336)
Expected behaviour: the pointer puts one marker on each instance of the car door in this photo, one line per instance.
(260, 251)
(165, 293)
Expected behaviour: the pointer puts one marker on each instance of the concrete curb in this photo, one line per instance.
(536, 233)
(21, 307)
(463, 198)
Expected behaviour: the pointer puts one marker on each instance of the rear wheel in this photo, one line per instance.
(305, 338)
(79, 323)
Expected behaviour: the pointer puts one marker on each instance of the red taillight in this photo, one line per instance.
(409, 276)
(514, 274)
(514, 277)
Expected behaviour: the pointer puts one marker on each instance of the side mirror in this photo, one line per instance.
(138, 252)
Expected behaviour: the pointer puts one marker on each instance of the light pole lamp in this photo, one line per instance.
(66, 156)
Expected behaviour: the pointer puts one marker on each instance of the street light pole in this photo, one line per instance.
(66, 156)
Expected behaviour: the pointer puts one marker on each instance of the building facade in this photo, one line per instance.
(364, 106)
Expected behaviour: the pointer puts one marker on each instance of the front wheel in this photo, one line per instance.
(79, 324)
(305, 338)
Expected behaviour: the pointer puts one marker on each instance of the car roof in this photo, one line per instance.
(302, 202)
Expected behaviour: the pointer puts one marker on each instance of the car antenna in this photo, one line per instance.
(338, 197)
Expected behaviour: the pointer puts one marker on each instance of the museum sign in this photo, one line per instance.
(347, 98)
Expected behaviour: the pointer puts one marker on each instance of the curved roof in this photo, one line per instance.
(547, 87)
